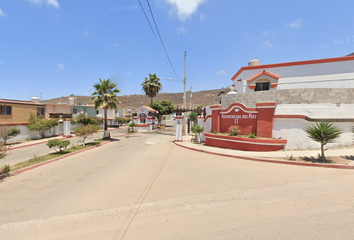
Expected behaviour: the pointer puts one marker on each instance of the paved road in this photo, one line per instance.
(144, 187)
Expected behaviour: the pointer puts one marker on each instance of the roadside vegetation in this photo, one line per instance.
(7, 132)
(323, 132)
(38, 159)
(41, 124)
(105, 96)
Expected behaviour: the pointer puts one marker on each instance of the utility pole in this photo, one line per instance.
(184, 95)
(190, 98)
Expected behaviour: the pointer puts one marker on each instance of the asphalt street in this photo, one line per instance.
(142, 186)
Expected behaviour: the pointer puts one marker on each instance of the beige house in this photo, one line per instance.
(15, 112)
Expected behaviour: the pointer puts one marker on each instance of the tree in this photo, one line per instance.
(323, 132)
(8, 132)
(86, 120)
(104, 96)
(58, 145)
(164, 107)
(193, 116)
(4, 150)
(41, 124)
(151, 86)
(86, 131)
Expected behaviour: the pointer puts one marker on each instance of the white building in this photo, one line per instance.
(305, 92)
(320, 73)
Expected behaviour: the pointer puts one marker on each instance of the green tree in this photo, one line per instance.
(41, 124)
(105, 96)
(8, 132)
(164, 107)
(86, 120)
(86, 131)
(58, 145)
(323, 132)
(193, 116)
(151, 86)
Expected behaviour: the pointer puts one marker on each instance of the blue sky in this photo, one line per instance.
(62, 47)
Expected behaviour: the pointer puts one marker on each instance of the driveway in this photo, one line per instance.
(144, 187)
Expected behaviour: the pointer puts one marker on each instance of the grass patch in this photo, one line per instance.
(38, 159)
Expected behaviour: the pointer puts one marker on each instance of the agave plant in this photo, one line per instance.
(323, 132)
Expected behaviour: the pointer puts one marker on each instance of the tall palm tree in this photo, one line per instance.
(104, 96)
(151, 86)
(323, 132)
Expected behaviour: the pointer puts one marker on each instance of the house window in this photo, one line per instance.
(74, 111)
(97, 112)
(142, 117)
(262, 86)
(6, 110)
(40, 111)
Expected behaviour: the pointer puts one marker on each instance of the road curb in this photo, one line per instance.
(5, 175)
(268, 160)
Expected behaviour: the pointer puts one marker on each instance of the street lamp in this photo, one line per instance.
(184, 92)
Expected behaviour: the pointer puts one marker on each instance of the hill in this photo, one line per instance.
(134, 101)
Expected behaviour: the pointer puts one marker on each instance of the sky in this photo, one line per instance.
(54, 48)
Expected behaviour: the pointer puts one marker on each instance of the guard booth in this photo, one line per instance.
(145, 118)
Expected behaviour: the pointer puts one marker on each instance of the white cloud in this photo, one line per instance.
(182, 30)
(60, 66)
(53, 3)
(267, 44)
(86, 32)
(185, 8)
(264, 33)
(201, 17)
(295, 24)
(2, 14)
(50, 3)
(221, 72)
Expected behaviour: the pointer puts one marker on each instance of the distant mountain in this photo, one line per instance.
(134, 101)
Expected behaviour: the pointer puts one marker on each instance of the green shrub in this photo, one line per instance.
(86, 131)
(323, 132)
(215, 132)
(8, 132)
(86, 120)
(233, 130)
(4, 150)
(58, 145)
(252, 135)
(197, 130)
(41, 124)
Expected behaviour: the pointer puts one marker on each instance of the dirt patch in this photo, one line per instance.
(340, 160)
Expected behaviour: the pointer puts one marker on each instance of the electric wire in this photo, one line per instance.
(146, 17)
(163, 45)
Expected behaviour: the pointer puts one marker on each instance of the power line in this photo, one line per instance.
(163, 45)
(146, 16)
(179, 27)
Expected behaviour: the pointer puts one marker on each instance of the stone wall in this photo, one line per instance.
(292, 96)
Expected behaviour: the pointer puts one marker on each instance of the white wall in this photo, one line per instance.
(320, 75)
(293, 130)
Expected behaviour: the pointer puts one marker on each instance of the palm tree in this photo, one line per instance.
(104, 96)
(152, 86)
(323, 132)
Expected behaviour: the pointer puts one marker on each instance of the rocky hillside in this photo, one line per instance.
(134, 101)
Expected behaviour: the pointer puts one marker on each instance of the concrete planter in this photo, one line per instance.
(244, 143)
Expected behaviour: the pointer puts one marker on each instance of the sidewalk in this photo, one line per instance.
(26, 150)
(276, 156)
